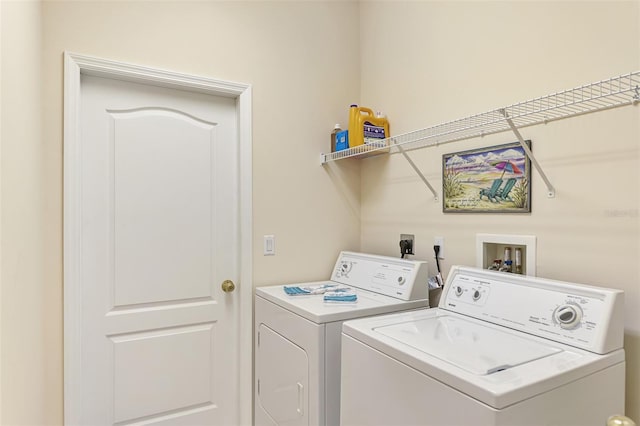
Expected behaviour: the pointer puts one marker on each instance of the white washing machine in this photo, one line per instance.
(500, 349)
(298, 338)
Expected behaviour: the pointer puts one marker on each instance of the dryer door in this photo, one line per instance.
(283, 378)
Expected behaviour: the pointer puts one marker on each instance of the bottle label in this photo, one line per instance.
(374, 132)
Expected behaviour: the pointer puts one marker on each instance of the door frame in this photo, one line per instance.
(76, 65)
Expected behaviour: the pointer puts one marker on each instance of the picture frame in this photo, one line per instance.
(495, 179)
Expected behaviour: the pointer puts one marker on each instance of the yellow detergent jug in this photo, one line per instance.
(366, 128)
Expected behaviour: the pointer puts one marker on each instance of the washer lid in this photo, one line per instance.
(474, 347)
(412, 338)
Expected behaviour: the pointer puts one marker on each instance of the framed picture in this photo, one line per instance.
(496, 179)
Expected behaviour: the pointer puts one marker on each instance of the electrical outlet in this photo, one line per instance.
(439, 241)
(412, 243)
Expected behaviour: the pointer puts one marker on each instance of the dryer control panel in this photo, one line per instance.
(399, 278)
(583, 316)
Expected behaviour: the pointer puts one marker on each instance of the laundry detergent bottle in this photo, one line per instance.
(354, 112)
(365, 126)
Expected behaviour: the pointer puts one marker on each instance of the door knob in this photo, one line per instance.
(228, 286)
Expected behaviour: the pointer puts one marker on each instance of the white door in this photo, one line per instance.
(158, 235)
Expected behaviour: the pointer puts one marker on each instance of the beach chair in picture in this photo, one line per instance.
(490, 193)
(503, 193)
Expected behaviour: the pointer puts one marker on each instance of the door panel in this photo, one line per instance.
(149, 366)
(162, 207)
(159, 234)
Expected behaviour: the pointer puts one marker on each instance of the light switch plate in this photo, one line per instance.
(269, 245)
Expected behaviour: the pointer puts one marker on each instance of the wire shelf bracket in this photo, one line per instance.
(551, 192)
(417, 170)
(599, 96)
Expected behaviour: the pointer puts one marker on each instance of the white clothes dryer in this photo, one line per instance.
(298, 337)
(500, 349)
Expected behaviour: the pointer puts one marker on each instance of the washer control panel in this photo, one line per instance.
(399, 278)
(583, 316)
(475, 294)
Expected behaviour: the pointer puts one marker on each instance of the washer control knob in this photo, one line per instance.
(458, 291)
(476, 295)
(401, 280)
(568, 316)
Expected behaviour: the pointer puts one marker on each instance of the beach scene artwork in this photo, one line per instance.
(496, 179)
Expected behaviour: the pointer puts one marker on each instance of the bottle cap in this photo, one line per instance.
(337, 127)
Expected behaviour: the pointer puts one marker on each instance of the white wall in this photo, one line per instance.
(301, 59)
(440, 61)
(24, 349)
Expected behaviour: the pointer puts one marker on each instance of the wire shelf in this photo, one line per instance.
(602, 95)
